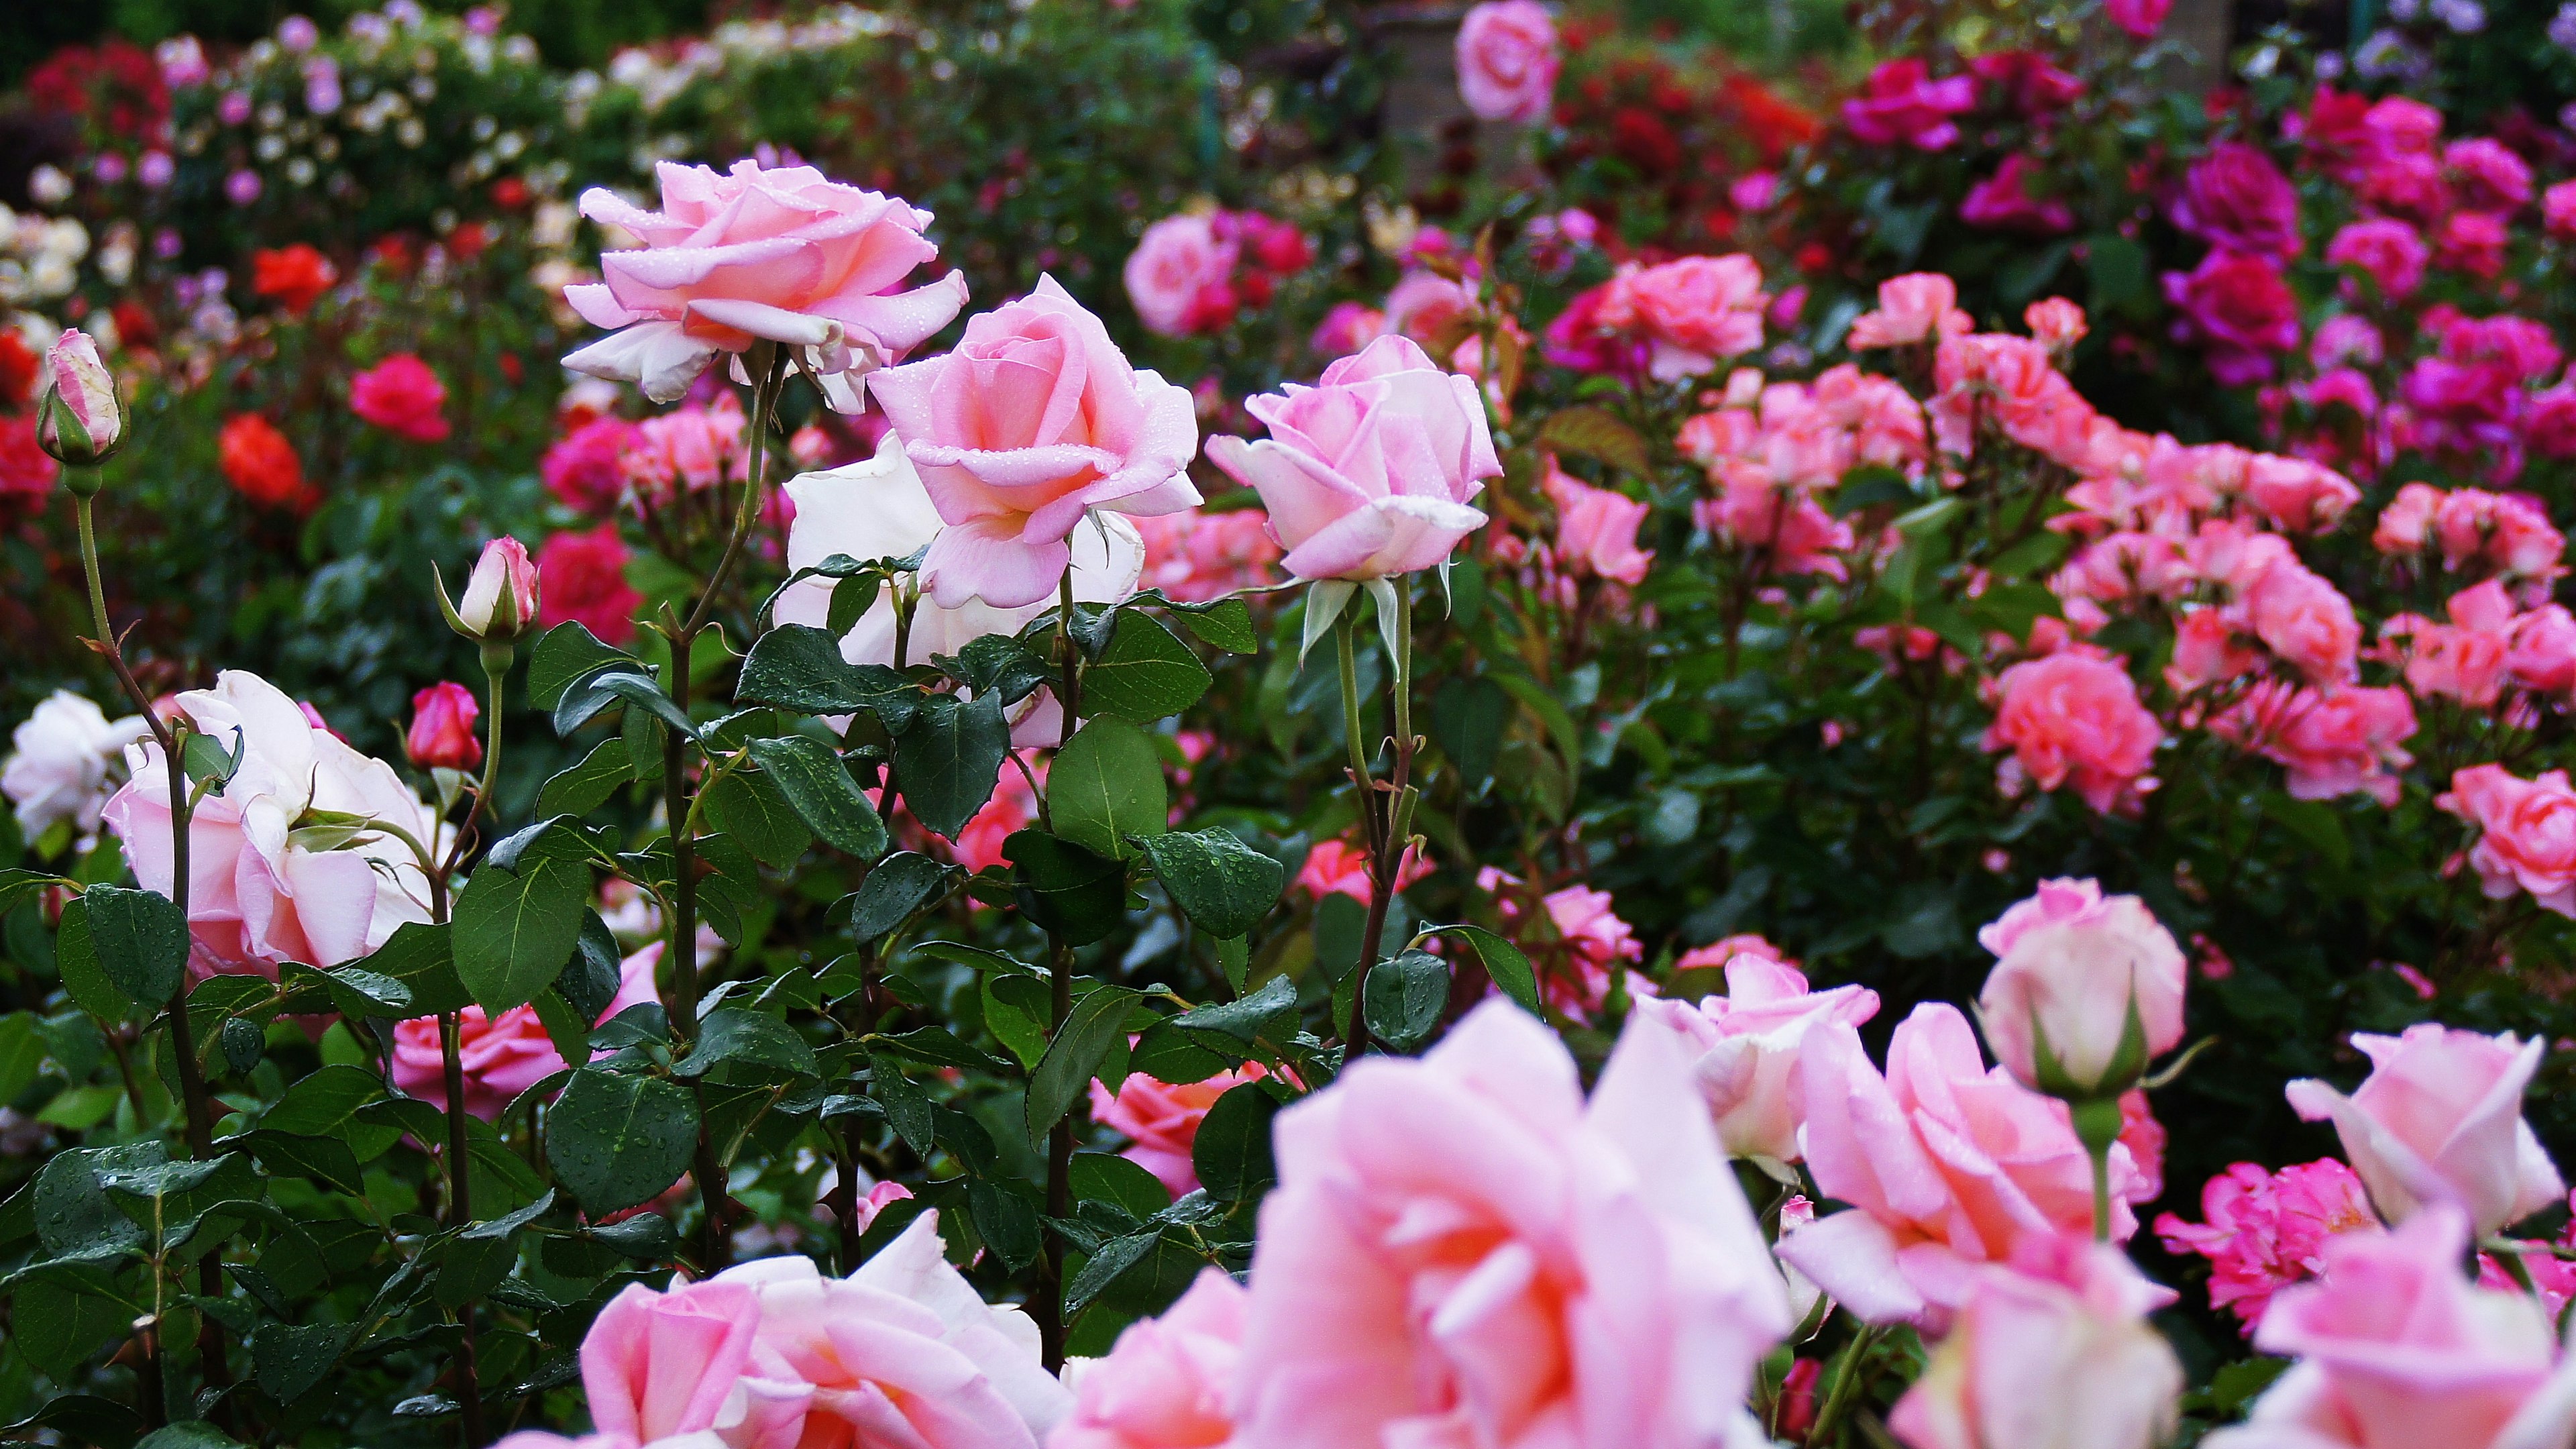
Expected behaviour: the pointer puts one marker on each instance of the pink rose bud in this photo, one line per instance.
(2439, 1122)
(442, 735)
(2087, 990)
(500, 600)
(79, 421)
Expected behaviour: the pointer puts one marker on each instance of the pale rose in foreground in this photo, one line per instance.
(257, 893)
(505, 1055)
(500, 599)
(78, 421)
(1034, 420)
(2074, 967)
(1944, 1163)
(2396, 1350)
(1163, 1119)
(780, 255)
(1368, 473)
(2052, 1353)
(1748, 1042)
(64, 761)
(1507, 60)
(2526, 832)
(1168, 1382)
(2439, 1121)
(1461, 1250)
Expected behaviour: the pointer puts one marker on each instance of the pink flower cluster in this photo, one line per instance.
(1193, 272)
(1200, 554)
(1770, 449)
(1581, 942)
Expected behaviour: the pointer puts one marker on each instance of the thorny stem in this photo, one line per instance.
(1059, 1179)
(1346, 640)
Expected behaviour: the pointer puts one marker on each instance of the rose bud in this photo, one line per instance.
(78, 421)
(442, 728)
(2087, 990)
(500, 602)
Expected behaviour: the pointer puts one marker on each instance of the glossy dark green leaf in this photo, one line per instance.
(1146, 673)
(819, 788)
(1404, 998)
(1503, 961)
(896, 887)
(948, 758)
(906, 1109)
(753, 810)
(290, 1359)
(1065, 1073)
(1467, 719)
(84, 1419)
(1006, 1221)
(586, 700)
(617, 1141)
(799, 667)
(1222, 884)
(566, 654)
(1232, 1151)
(325, 1160)
(515, 923)
(1071, 892)
(749, 1038)
(83, 974)
(1245, 1017)
(1107, 784)
(417, 956)
(587, 785)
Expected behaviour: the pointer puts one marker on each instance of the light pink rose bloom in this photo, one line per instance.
(2074, 718)
(2072, 964)
(2396, 1350)
(257, 893)
(500, 599)
(1913, 308)
(2526, 832)
(1507, 60)
(64, 760)
(505, 1055)
(1163, 1118)
(1175, 261)
(1168, 1383)
(1368, 473)
(1421, 305)
(1748, 1042)
(2297, 496)
(778, 254)
(1462, 1250)
(2406, 524)
(2332, 741)
(2306, 621)
(1033, 421)
(1596, 529)
(2439, 1121)
(2055, 323)
(2542, 653)
(1945, 1165)
(1695, 312)
(2054, 1352)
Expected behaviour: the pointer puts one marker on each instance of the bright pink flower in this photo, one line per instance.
(1596, 529)
(1718, 953)
(1341, 867)
(2305, 620)
(2055, 323)
(2509, 533)
(1164, 1118)
(2472, 242)
(502, 1055)
(1945, 1164)
(2209, 649)
(2390, 251)
(2075, 718)
(2542, 650)
(2558, 210)
(2550, 425)
(2406, 524)
(1900, 103)
(500, 598)
(403, 397)
(584, 576)
(2439, 1122)
(2141, 18)
(442, 728)
(1467, 1252)
(2526, 832)
(1911, 308)
(2266, 1231)
(1168, 1382)
(2027, 81)
(1422, 305)
(778, 254)
(1368, 473)
(2406, 184)
(1748, 1042)
(1346, 328)
(1200, 555)
(1507, 60)
(585, 469)
(2072, 967)
(1694, 313)
(1175, 265)
(2488, 175)
(1786, 530)
(2240, 309)
(2333, 742)
(2297, 496)
(690, 447)
(2344, 339)
(1032, 421)
(2006, 201)
(2235, 199)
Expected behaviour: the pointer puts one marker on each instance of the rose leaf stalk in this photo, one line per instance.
(1060, 1138)
(1386, 813)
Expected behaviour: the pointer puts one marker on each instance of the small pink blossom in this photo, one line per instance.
(2074, 718)
(2264, 1231)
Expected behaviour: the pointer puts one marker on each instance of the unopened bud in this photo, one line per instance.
(500, 602)
(79, 421)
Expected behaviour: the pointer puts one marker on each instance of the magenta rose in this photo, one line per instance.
(2239, 308)
(2005, 201)
(2236, 199)
(1507, 60)
(779, 254)
(1035, 419)
(1900, 103)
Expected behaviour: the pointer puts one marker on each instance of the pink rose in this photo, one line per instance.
(1367, 474)
(1341, 867)
(2295, 495)
(1507, 61)
(1693, 313)
(2235, 199)
(1164, 1118)
(2526, 832)
(504, 1055)
(1177, 263)
(2390, 251)
(1901, 103)
(2141, 18)
(2472, 242)
(692, 447)
(585, 470)
(2487, 174)
(2395, 1348)
(1202, 555)
(500, 598)
(2054, 1352)
(584, 574)
(1461, 1249)
(1596, 529)
(403, 397)
(2558, 210)
(1168, 1382)
(1346, 328)
(442, 728)
(258, 894)
(1748, 1042)
(2056, 324)
(1945, 1165)
(2332, 741)
(2304, 620)
(79, 419)
(2239, 308)
(1782, 526)
(2265, 1232)
(1912, 308)
(2509, 533)
(2541, 650)
(1035, 419)
(2006, 201)
(780, 255)
(2074, 967)
(2439, 1121)
(64, 762)
(2073, 717)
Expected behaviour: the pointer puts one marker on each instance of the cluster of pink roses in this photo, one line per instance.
(1192, 273)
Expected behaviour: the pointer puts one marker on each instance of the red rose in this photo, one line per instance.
(261, 464)
(402, 396)
(26, 473)
(583, 580)
(296, 276)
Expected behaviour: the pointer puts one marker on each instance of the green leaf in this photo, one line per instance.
(1107, 784)
(567, 654)
(583, 702)
(752, 809)
(1598, 434)
(514, 924)
(592, 977)
(586, 786)
(896, 887)
(1096, 1020)
(57, 1325)
(818, 786)
(996, 664)
(1550, 711)
(352, 991)
(1172, 1056)
(289, 1359)
(1225, 623)
(1245, 1017)
(417, 956)
(2313, 822)
(1006, 1222)
(22, 1053)
(1016, 1011)
(1404, 998)
(74, 1218)
(907, 1111)
(1503, 961)
(937, 1046)
(17, 887)
(1232, 1151)
(322, 1159)
(948, 758)
(83, 974)
(1222, 884)
(1146, 673)
(81, 1419)
(799, 667)
(326, 1103)
(1070, 891)
(1467, 718)
(618, 1141)
(1106, 1266)
(1110, 1177)
(188, 1434)
(753, 1038)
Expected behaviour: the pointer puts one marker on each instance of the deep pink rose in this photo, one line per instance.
(1748, 1042)
(2006, 202)
(780, 255)
(2240, 309)
(2298, 496)
(2235, 199)
(2526, 832)
(1693, 313)
(2075, 718)
(505, 1055)
(2332, 741)
(1900, 103)
(1170, 274)
(2072, 967)
(2558, 210)
(584, 574)
(1507, 60)
(585, 470)
(1168, 1382)
(2141, 18)
(2438, 1122)
(1596, 529)
(2487, 175)
(2266, 1231)
(1368, 473)
(442, 728)
(2305, 620)
(2028, 81)
(1035, 419)
(403, 397)
(1163, 1119)
(2389, 250)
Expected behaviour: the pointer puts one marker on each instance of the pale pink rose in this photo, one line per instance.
(1168, 1382)
(505, 1055)
(1347, 327)
(1034, 420)
(1944, 1163)
(2344, 340)
(2075, 718)
(1695, 312)
(2333, 741)
(65, 759)
(1462, 1250)
(2406, 524)
(1596, 529)
(656, 1366)
(2209, 649)
(2054, 1352)
(2396, 1349)
(1163, 1118)
(1423, 306)
(257, 894)
(780, 255)
(2439, 1121)
(2055, 323)
(1748, 1042)
(2072, 968)
(1719, 952)
(1783, 526)
(2265, 1232)
(2298, 496)
(2509, 533)
(691, 447)
(2526, 832)
(1368, 473)
(1175, 263)
(500, 600)
(1913, 308)
(2306, 621)
(81, 420)
(1507, 60)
